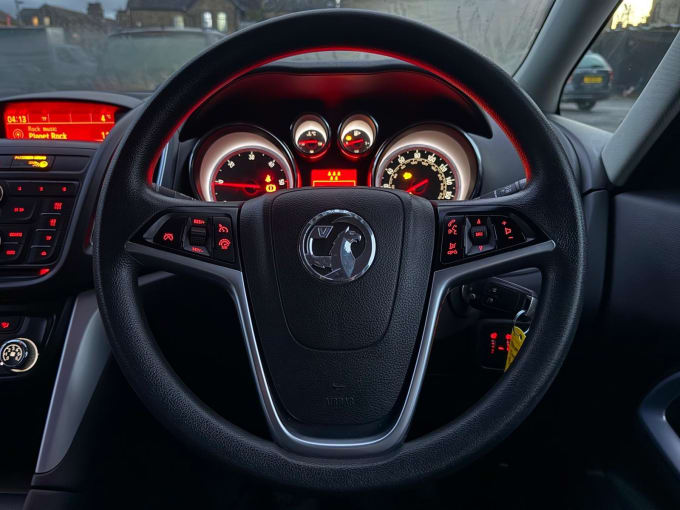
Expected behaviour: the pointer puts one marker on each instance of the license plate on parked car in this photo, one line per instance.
(592, 79)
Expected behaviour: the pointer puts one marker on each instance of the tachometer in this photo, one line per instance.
(434, 161)
(421, 171)
(239, 164)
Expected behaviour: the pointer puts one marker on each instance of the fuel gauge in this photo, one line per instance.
(310, 134)
(357, 135)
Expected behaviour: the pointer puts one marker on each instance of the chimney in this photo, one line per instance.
(95, 10)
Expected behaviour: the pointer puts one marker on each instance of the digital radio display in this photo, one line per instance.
(59, 120)
(334, 177)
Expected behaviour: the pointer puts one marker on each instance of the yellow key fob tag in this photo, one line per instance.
(516, 342)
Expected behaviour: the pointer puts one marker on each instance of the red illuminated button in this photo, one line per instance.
(198, 250)
(508, 232)
(170, 234)
(223, 239)
(10, 252)
(9, 324)
(479, 234)
(63, 189)
(56, 205)
(14, 233)
(50, 221)
(18, 209)
(453, 239)
(45, 237)
(40, 253)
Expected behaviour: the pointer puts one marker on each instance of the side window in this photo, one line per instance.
(619, 63)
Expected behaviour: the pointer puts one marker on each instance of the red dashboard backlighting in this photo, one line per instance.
(334, 177)
(58, 120)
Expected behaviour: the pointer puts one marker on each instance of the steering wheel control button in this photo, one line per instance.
(196, 238)
(337, 246)
(18, 354)
(479, 234)
(170, 233)
(223, 241)
(452, 239)
(508, 232)
(478, 230)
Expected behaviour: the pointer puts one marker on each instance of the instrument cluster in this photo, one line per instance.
(238, 162)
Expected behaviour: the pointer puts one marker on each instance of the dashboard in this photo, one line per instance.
(394, 127)
(433, 160)
(276, 128)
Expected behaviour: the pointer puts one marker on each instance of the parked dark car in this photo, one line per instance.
(590, 82)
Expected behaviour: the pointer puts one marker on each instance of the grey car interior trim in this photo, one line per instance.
(442, 281)
(649, 117)
(653, 415)
(83, 359)
(565, 36)
(161, 167)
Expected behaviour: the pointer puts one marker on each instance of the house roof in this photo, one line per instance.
(159, 5)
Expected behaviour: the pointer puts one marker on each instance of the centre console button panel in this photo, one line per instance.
(33, 215)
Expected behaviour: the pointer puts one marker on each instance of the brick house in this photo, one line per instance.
(220, 15)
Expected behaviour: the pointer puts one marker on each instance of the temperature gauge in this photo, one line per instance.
(357, 135)
(310, 134)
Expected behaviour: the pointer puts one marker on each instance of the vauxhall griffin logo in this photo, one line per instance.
(337, 246)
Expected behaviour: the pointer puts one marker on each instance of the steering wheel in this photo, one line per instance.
(339, 344)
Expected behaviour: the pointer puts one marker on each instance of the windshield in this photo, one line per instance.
(134, 45)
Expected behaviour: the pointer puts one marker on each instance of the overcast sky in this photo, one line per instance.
(110, 6)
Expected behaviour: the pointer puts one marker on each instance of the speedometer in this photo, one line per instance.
(434, 161)
(421, 171)
(238, 163)
(247, 173)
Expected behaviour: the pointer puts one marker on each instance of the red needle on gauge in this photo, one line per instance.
(237, 185)
(356, 141)
(417, 185)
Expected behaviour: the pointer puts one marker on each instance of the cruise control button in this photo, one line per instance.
(170, 234)
(198, 236)
(223, 244)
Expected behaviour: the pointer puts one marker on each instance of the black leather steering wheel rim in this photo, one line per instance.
(551, 196)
